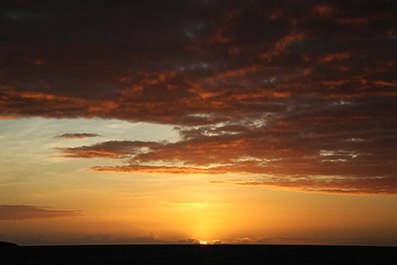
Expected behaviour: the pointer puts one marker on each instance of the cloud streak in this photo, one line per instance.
(27, 212)
(76, 135)
(326, 184)
(195, 204)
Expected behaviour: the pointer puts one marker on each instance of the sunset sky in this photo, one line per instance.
(185, 120)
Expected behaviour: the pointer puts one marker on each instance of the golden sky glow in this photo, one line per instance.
(205, 120)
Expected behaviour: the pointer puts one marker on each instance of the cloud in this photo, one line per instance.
(273, 155)
(197, 204)
(110, 149)
(228, 59)
(326, 184)
(254, 87)
(76, 135)
(9, 118)
(125, 197)
(150, 238)
(330, 241)
(26, 212)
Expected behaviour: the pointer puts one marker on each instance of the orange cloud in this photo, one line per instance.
(337, 56)
(197, 204)
(332, 185)
(323, 9)
(26, 212)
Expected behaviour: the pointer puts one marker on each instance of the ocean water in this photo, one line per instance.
(196, 254)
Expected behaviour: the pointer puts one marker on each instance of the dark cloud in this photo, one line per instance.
(26, 212)
(283, 156)
(287, 88)
(163, 62)
(330, 241)
(110, 149)
(150, 238)
(76, 135)
(326, 184)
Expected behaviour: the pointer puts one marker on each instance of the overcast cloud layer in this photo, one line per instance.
(291, 94)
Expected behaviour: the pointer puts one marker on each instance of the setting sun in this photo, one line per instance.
(166, 122)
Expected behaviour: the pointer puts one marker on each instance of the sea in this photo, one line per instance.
(198, 254)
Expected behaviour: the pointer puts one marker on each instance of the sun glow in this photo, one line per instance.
(203, 243)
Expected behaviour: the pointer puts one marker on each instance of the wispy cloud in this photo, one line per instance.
(198, 204)
(26, 212)
(328, 184)
(126, 197)
(76, 135)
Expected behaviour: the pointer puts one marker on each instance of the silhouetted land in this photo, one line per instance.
(7, 244)
(195, 254)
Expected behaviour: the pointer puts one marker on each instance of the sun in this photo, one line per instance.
(203, 243)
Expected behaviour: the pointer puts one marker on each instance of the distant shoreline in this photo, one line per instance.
(199, 254)
(7, 244)
(209, 245)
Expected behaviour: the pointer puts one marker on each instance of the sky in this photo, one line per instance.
(175, 121)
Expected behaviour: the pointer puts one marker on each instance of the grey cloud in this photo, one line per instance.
(76, 135)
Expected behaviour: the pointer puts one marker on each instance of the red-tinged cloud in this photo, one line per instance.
(326, 184)
(110, 149)
(276, 156)
(76, 135)
(27, 212)
(254, 87)
(164, 62)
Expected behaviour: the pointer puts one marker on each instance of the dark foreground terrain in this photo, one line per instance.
(195, 254)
